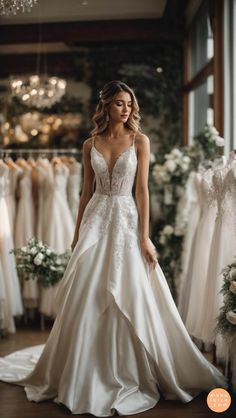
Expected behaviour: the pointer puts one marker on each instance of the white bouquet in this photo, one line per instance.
(38, 261)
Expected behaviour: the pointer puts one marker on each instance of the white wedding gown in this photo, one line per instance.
(58, 228)
(118, 341)
(200, 258)
(25, 230)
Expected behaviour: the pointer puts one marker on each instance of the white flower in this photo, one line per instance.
(48, 251)
(213, 130)
(38, 259)
(170, 165)
(24, 249)
(231, 317)
(52, 268)
(33, 250)
(152, 157)
(58, 261)
(220, 142)
(162, 240)
(176, 152)
(232, 287)
(185, 167)
(232, 273)
(186, 159)
(168, 230)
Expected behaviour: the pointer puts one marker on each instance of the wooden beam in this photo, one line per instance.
(88, 32)
(200, 77)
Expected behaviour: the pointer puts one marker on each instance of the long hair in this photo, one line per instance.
(107, 94)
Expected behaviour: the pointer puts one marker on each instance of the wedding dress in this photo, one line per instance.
(193, 197)
(60, 225)
(14, 174)
(24, 230)
(11, 303)
(118, 341)
(200, 257)
(73, 187)
(222, 252)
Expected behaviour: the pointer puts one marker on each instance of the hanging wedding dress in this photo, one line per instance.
(223, 249)
(14, 174)
(43, 171)
(200, 257)
(24, 230)
(73, 187)
(118, 340)
(193, 197)
(11, 303)
(60, 225)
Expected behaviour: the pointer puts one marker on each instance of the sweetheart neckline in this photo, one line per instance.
(117, 159)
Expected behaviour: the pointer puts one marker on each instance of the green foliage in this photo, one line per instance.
(226, 321)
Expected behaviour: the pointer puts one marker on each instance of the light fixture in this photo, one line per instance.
(38, 92)
(11, 7)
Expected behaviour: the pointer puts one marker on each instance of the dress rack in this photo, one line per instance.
(4, 152)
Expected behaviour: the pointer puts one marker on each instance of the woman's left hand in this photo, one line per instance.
(149, 253)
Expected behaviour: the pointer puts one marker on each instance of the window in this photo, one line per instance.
(203, 74)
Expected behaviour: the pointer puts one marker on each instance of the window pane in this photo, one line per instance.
(201, 39)
(201, 107)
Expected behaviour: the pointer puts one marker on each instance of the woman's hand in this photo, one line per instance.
(149, 253)
(73, 244)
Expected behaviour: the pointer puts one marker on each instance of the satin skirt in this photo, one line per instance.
(118, 342)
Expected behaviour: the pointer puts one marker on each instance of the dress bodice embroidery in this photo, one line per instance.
(120, 181)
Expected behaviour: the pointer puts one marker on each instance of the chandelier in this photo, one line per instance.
(9, 7)
(39, 93)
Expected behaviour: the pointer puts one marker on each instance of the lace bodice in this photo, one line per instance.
(120, 181)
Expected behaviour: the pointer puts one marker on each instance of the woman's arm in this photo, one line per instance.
(142, 197)
(87, 189)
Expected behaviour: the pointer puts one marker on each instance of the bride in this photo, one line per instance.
(118, 342)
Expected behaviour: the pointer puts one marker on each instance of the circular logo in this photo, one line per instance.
(218, 400)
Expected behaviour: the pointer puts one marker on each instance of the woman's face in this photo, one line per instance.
(121, 107)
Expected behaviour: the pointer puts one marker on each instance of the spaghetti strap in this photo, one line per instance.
(93, 143)
(134, 137)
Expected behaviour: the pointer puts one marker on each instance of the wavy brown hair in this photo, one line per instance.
(107, 95)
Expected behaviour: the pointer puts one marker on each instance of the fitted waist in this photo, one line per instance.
(113, 194)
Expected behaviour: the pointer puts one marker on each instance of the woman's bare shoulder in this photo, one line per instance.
(87, 144)
(142, 140)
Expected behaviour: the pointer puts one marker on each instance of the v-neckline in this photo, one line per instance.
(116, 160)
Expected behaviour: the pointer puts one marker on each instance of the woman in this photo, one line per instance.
(118, 341)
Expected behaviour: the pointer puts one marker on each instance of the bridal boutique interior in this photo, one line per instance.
(178, 56)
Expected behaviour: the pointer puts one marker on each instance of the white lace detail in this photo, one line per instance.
(112, 208)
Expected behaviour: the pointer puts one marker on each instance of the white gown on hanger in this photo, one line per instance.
(223, 249)
(73, 188)
(200, 258)
(118, 340)
(194, 212)
(60, 226)
(11, 302)
(24, 230)
(14, 174)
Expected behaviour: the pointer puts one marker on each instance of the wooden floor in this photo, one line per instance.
(13, 402)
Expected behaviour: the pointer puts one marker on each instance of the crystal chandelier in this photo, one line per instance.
(9, 7)
(39, 93)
